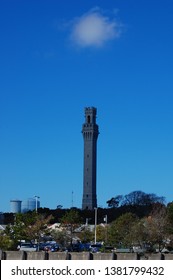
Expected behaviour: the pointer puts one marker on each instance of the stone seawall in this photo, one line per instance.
(20, 255)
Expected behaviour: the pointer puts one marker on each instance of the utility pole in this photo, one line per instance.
(72, 199)
(106, 227)
(95, 228)
(36, 210)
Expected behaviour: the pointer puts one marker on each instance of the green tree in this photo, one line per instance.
(5, 242)
(60, 236)
(138, 234)
(119, 232)
(101, 232)
(141, 198)
(86, 235)
(114, 202)
(28, 226)
(71, 221)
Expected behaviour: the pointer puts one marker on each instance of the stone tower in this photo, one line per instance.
(90, 134)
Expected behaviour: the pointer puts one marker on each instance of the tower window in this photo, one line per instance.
(88, 119)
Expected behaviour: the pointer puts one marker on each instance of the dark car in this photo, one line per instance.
(94, 248)
(52, 247)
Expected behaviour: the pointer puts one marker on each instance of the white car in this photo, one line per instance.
(27, 247)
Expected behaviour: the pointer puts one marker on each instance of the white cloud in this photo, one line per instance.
(94, 29)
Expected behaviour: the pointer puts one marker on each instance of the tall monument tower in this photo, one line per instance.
(90, 134)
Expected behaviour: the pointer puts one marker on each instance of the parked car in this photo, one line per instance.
(123, 250)
(95, 248)
(165, 251)
(27, 247)
(52, 247)
(42, 246)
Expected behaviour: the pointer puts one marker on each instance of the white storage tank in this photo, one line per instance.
(15, 206)
(30, 204)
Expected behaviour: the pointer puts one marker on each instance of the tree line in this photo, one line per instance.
(136, 219)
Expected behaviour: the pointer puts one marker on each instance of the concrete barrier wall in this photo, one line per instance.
(157, 256)
(127, 256)
(168, 256)
(58, 256)
(13, 255)
(104, 256)
(80, 256)
(20, 255)
(37, 255)
(1, 255)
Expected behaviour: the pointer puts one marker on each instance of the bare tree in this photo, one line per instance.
(157, 225)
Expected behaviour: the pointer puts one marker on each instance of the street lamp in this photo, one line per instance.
(95, 229)
(36, 202)
(36, 208)
(106, 223)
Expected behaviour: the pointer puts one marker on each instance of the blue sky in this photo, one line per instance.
(57, 57)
